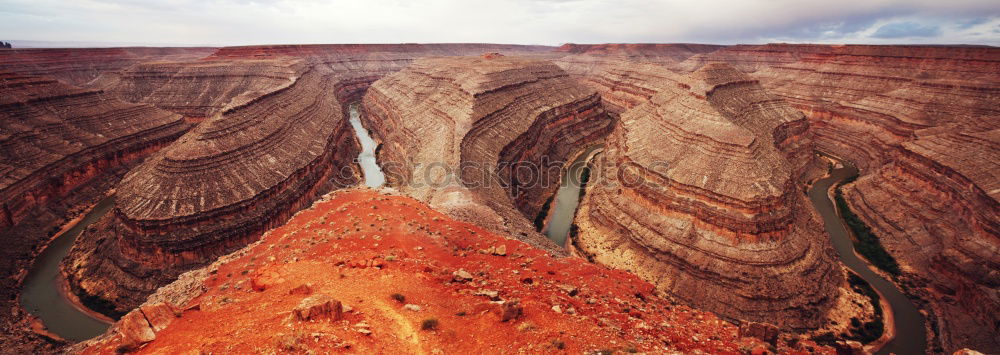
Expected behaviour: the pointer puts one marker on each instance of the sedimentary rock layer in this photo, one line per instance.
(454, 130)
(198, 89)
(420, 49)
(422, 266)
(219, 187)
(60, 147)
(56, 137)
(920, 122)
(78, 66)
(698, 192)
(641, 52)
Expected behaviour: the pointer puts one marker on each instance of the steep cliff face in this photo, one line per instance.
(863, 100)
(78, 66)
(622, 84)
(935, 207)
(60, 148)
(454, 131)
(215, 190)
(56, 137)
(921, 123)
(697, 191)
(371, 273)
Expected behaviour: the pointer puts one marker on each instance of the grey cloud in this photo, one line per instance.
(906, 29)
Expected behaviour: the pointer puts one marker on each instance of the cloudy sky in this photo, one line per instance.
(551, 22)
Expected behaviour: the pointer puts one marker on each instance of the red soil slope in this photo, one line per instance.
(360, 247)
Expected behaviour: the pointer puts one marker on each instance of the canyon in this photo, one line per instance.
(236, 184)
(456, 130)
(389, 280)
(697, 191)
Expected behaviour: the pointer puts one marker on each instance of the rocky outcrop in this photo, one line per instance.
(219, 187)
(78, 66)
(921, 123)
(699, 191)
(483, 139)
(369, 250)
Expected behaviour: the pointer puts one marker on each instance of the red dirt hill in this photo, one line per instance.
(371, 273)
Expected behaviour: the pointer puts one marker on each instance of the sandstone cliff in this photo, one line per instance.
(921, 123)
(372, 273)
(61, 147)
(198, 89)
(454, 130)
(698, 192)
(216, 189)
(78, 66)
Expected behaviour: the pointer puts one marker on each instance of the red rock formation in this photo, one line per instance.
(80, 65)
(57, 137)
(640, 52)
(60, 147)
(219, 187)
(455, 130)
(921, 123)
(423, 49)
(198, 89)
(699, 192)
(361, 247)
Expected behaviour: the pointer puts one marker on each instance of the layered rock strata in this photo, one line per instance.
(699, 191)
(423, 265)
(218, 188)
(454, 132)
(56, 137)
(78, 66)
(199, 89)
(921, 122)
(61, 147)
(415, 49)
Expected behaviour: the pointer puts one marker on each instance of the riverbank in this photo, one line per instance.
(888, 318)
(903, 323)
(562, 209)
(45, 293)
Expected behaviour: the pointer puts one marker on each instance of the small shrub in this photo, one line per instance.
(429, 324)
(398, 297)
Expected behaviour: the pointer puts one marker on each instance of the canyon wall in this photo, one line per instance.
(699, 191)
(418, 286)
(216, 189)
(274, 136)
(921, 123)
(57, 137)
(198, 89)
(77, 66)
(61, 147)
(453, 132)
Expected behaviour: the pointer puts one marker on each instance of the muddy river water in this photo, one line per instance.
(911, 337)
(41, 294)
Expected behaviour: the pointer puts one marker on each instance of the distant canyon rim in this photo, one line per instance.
(244, 159)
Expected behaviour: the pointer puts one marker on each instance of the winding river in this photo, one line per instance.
(369, 167)
(41, 293)
(567, 198)
(911, 336)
